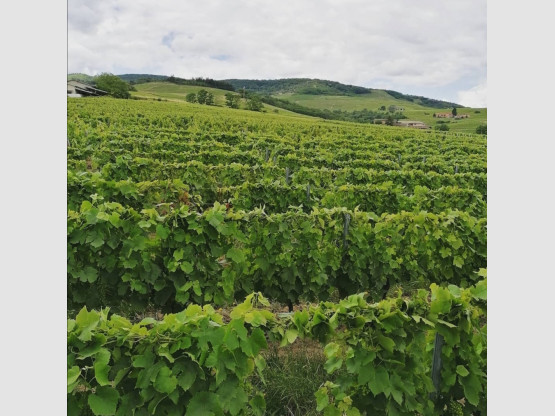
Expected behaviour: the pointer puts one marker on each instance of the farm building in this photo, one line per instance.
(411, 123)
(443, 115)
(80, 89)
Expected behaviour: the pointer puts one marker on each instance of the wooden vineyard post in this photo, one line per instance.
(436, 365)
(346, 229)
(287, 176)
(267, 155)
(456, 168)
(308, 193)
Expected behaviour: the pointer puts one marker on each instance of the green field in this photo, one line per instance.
(379, 98)
(174, 92)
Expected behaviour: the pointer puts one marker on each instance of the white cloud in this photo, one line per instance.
(400, 43)
(475, 97)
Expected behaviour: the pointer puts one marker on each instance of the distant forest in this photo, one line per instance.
(297, 86)
(428, 102)
(200, 82)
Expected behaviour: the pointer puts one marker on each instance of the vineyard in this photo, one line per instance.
(201, 238)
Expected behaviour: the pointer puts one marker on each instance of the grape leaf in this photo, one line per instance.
(103, 401)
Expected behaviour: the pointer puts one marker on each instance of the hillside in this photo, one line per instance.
(379, 98)
(307, 86)
(309, 97)
(173, 92)
(334, 96)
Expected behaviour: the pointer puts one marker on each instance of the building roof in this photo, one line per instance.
(410, 122)
(86, 88)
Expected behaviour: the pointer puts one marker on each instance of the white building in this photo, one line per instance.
(411, 123)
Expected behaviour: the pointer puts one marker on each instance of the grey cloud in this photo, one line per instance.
(168, 39)
(403, 43)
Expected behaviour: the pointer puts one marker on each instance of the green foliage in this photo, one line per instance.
(197, 362)
(482, 129)
(254, 103)
(173, 206)
(199, 81)
(112, 84)
(298, 85)
(277, 197)
(223, 259)
(191, 361)
(209, 99)
(202, 96)
(191, 97)
(454, 111)
(232, 100)
(442, 127)
(428, 102)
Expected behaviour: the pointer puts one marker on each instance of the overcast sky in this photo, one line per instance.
(432, 48)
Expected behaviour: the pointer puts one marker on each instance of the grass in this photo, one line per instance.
(177, 93)
(378, 98)
(293, 374)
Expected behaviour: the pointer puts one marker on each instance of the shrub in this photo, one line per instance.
(442, 127)
(482, 129)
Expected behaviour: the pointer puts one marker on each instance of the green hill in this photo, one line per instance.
(309, 97)
(381, 98)
(307, 86)
(333, 96)
(173, 92)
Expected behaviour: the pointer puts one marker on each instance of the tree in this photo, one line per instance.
(232, 100)
(382, 108)
(113, 85)
(254, 103)
(209, 99)
(482, 129)
(191, 97)
(389, 121)
(454, 112)
(201, 96)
